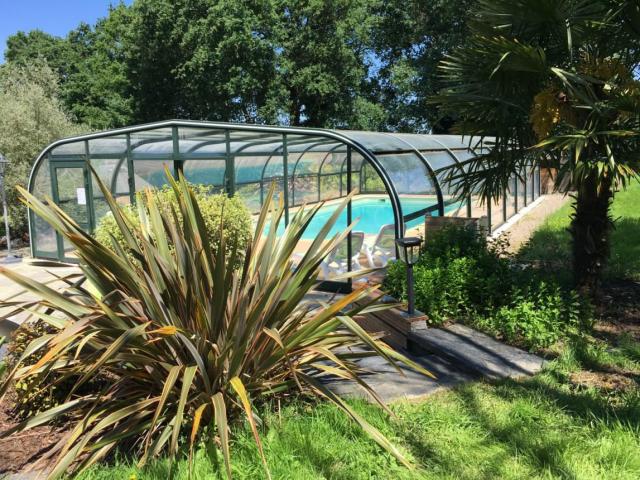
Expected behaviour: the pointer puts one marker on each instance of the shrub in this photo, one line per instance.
(461, 277)
(538, 317)
(183, 339)
(44, 390)
(457, 275)
(236, 219)
(32, 395)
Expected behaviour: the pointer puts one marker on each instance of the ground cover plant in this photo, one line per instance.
(460, 276)
(186, 342)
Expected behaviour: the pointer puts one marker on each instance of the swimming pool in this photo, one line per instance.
(372, 214)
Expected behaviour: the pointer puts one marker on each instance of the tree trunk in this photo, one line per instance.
(590, 230)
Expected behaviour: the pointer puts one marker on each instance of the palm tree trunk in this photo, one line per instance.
(590, 230)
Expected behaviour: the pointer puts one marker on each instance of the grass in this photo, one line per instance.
(544, 427)
(550, 243)
(548, 426)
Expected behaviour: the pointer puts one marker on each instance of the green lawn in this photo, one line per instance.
(551, 242)
(545, 427)
(558, 424)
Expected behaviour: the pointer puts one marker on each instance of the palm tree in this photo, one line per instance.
(554, 82)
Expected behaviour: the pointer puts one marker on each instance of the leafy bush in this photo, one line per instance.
(32, 394)
(462, 277)
(183, 339)
(457, 275)
(538, 317)
(236, 219)
(44, 390)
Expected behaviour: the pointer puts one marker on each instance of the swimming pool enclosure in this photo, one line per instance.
(398, 179)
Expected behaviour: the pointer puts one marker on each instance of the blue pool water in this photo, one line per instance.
(371, 213)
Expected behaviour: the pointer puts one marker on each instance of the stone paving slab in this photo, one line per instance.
(471, 350)
(391, 385)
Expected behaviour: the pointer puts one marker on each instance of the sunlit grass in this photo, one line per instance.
(543, 427)
(550, 243)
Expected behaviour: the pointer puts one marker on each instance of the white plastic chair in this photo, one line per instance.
(383, 248)
(336, 262)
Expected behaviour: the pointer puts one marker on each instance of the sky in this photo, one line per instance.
(56, 17)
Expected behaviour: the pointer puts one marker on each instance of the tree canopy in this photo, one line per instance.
(364, 64)
(31, 117)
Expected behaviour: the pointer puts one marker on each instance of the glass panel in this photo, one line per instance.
(334, 162)
(250, 169)
(255, 142)
(379, 142)
(497, 213)
(71, 195)
(411, 179)
(254, 175)
(205, 172)
(536, 182)
(198, 141)
(157, 143)
(478, 208)
(330, 186)
(308, 162)
(250, 194)
(511, 199)
(69, 149)
(439, 160)
(303, 189)
(370, 181)
(118, 186)
(408, 174)
(110, 145)
(530, 192)
(151, 173)
(273, 173)
(42, 181)
(522, 199)
(44, 236)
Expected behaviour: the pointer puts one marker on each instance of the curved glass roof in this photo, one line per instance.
(308, 164)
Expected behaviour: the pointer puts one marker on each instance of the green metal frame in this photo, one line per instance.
(291, 144)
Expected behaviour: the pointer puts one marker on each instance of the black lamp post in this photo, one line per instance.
(9, 258)
(409, 250)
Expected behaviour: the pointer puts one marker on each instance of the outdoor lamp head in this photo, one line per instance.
(409, 249)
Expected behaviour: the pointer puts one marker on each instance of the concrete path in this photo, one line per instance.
(10, 291)
(407, 384)
(520, 228)
(476, 352)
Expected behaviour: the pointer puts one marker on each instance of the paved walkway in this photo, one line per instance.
(10, 291)
(520, 228)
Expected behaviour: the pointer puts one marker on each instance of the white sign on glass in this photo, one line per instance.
(82, 196)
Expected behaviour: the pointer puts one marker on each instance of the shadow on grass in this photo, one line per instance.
(537, 423)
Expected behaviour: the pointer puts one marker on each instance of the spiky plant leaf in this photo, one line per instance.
(182, 338)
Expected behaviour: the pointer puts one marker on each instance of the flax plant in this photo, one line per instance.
(184, 340)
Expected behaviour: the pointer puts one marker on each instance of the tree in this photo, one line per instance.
(202, 60)
(31, 117)
(323, 63)
(90, 65)
(553, 81)
(410, 38)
